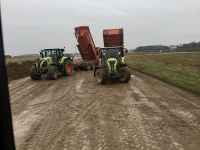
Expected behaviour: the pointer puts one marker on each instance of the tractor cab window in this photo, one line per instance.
(45, 54)
(122, 52)
(111, 53)
(48, 54)
(54, 53)
(60, 54)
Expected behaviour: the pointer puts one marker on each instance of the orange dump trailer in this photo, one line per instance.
(86, 47)
(113, 37)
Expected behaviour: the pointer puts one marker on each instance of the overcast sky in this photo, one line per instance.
(31, 25)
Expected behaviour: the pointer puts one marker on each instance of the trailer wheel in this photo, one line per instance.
(68, 68)
(100, 76)
(125, 74)
(91, 67)
(88, 67)
(52, 72)
(33, 73)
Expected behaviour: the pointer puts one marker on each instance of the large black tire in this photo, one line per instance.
(76, 68)
(52, 73)
(125, 74)
(33, 73)
(68, 67)
(100, 76)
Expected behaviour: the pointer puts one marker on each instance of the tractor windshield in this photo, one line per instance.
(111, 53)
(52, 53)
(48, 53)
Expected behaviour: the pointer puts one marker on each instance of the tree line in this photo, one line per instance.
(193, 46)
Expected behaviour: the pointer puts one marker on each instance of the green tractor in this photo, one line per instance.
(111, 64)
(51, 64)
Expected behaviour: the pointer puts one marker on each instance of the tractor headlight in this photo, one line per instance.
(104, 53)
(119, 53)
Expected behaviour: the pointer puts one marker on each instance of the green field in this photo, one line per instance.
(182, 70)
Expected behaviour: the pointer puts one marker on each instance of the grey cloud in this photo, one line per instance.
(30, 25)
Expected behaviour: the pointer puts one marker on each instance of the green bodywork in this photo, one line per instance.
(44, 62)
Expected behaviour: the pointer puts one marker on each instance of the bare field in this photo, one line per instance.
(182, 70)
(19, 66)
(18, 70)
(21, 59)
(77, 113)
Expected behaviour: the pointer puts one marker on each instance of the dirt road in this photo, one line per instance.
(76, 113)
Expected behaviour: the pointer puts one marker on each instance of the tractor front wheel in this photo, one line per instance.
(125, 75)
(52, 72)
(100, 76)
(33, 73)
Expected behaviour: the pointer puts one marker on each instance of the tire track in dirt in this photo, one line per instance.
(77, 113)
(176, 116)
(48, 132)
(22, 98)
(148, 132)
(137, 134)
(16, 83)
(52, 113)
(78, 128)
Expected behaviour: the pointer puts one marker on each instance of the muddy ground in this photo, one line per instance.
(77, 113)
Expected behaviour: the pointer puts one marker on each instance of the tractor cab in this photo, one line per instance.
(54, 53)
(111, 52)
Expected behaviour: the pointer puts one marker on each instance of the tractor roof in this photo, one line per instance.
(111, 47)
(51, 49)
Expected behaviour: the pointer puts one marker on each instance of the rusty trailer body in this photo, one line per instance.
(113, 38)
(87, 49)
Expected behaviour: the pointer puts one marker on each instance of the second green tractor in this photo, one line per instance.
(52, 63)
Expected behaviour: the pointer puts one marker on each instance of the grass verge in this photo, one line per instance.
(182, 70)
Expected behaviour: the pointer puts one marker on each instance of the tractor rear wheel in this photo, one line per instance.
(34, 75)
(100, 76)
(52, 72)
(125, 75)
(68, 67)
